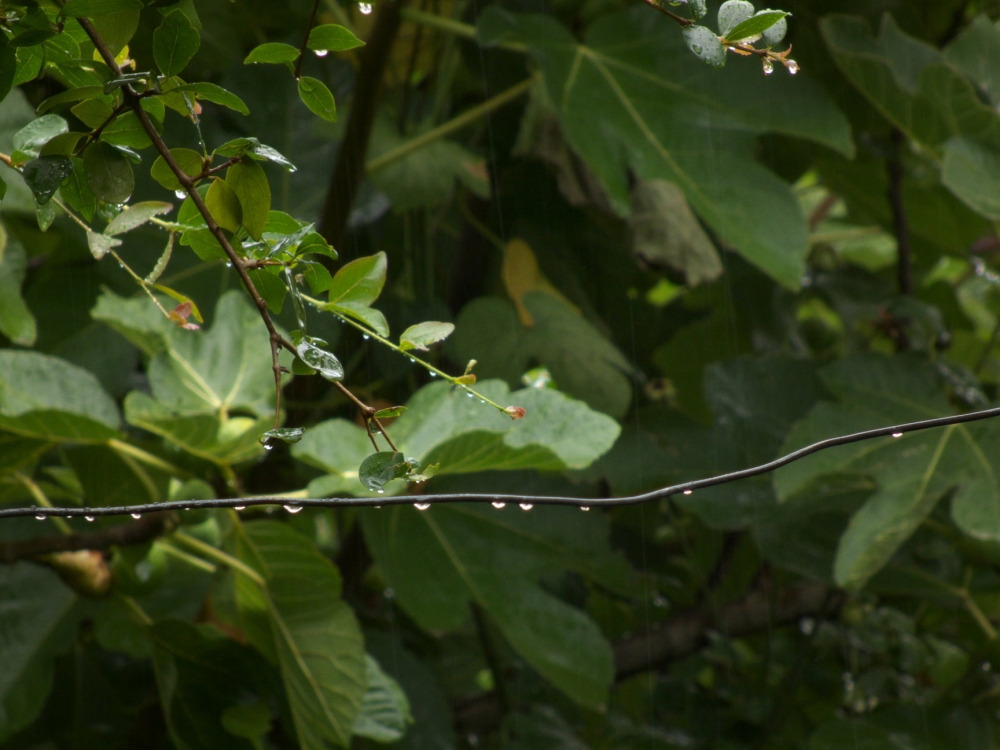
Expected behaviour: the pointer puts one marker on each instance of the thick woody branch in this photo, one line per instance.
(123, 535)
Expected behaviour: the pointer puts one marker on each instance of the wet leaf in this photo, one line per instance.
(248, 181)
(108, 173)
(45, 174)
(100, 244)
(311, 352)
(190, 162)
(224, 205)
(272, 52)
(175, 42)
(284, 434)
(381, 468)
(332, 38)
(317, 97)
(212, 93)
(422, 335)
(136, 215)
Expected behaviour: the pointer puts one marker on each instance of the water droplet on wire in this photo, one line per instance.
(240, 507)
(897, 434)
(688, 492)
(498, 506)
(421, 506)
(526, 506)
(89, 519)
(137, 516)
(584, 508)
(39, 518)
(293, 508)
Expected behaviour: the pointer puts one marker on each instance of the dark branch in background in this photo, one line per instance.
(143, 530)
(676, 489)
(679, 19)
(349, 169)
(684, 634)
(900, 225)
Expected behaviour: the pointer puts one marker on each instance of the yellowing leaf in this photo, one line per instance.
(521, 275)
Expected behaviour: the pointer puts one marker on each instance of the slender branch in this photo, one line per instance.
(679, 19)
(121, 535)
(900, 224)
(305, 40)
(464, 119)
(349, 169)
(470, 497)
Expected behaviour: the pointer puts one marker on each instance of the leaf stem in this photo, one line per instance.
(217, 555)
(42, 499)
(147, 458)
(457, 123)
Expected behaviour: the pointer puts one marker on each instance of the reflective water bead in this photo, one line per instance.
(365, 8)
(688, 492)
(498, 506)
(584, 507)
(421, 506)
(321, 53)
(366, 337)
(39, 518)
(897, 434)
(526, 506)
(240, 507)
(293, 508)
(88, 518)
(137, 515)
(381, 491)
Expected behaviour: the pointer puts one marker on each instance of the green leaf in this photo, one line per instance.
(199, 674)
(385, 711)
(912, 472)
(224, 205)
(16, 321)
(248, 181)
(381, 468)
(212, 93)
(937, 727)
(100, 244)
(910, 83)
(72, 95)
(337, 447)
(190, 162)
(271, 288)
(45, 174)
(435, 562)
(584, 363)
(108, 173)
(317, 97)
(360, 281)
(284, 434)
(311, 352)
(175, 42)
(705, 45)
(367, 315)
(8, 68)
(94, 8)
(48, 398)
(756, 25)
(976, 53)
(422, 335)
(240, 146)
(40, 614)
(117, 29)
(443, 426)
(77, 193)
(198, 379)
(392, 411)
(136, 215)
(272, 52)
(62, 145)
(37, 133)
(332, 38)
(611, 98)
(298, 620)
(970, 171)
(775, 33)
(732, 13)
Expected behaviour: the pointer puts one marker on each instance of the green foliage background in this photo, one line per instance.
(676, 270)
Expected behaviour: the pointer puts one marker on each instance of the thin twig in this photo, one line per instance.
(679, 19)
(471, 497)
(305, 40)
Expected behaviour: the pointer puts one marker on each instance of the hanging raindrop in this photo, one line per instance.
(88, 518)
(321, 53)
(421, 506)
(137, 516)
(365, 8)
(381, 491)
(526, 506)
(897, 434)
(181, 194)
(293, 508)
(688, 492)
(240, 507)
(365, 336)
(39, 518)
(268, 446)
(584, 507)
(433, 374)
(498, 506)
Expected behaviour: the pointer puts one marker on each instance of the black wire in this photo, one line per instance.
(676, 489)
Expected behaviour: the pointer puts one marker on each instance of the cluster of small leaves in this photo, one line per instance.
(741, 26)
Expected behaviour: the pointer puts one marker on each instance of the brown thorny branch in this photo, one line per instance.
(278, 342)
